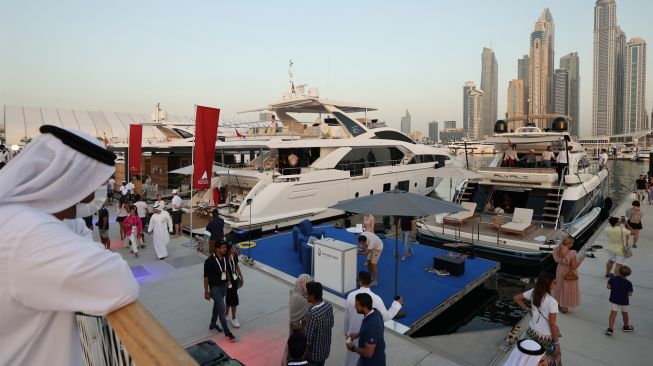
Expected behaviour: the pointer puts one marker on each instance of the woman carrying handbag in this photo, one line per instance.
(543, 326)
(567, 291)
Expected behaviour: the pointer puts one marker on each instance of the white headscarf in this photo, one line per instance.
(527, 353)
(52, 176)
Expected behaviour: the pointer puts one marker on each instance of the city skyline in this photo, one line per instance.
(128, 56)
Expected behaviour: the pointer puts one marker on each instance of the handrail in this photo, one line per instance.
(478, 230)
(145, 340)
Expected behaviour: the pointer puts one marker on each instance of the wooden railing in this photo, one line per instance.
(129, 336)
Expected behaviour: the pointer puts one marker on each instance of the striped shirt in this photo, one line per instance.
(318, 331)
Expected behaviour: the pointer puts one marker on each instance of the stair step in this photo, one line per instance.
(551, 201)
(547, 222)
(550, 215)
(467, 193)
(551, 208)
(554, 194)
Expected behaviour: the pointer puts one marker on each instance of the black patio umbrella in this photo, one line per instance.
(398, 203)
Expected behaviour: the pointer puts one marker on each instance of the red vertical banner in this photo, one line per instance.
(206, 130)
(135, 142)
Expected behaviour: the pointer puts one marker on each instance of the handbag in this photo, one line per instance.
(571, 275)
(628, 251)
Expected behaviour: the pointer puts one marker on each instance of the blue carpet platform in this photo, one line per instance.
(425, 294)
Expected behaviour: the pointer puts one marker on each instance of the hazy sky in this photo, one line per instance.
(415, 55)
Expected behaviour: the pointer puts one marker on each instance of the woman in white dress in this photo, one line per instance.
(161, 226)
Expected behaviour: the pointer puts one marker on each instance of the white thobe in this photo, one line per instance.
(353, 320)
(161, 226)
(47, 273)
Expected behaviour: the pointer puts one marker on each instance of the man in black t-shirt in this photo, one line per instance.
(216, 228)
(406, 224)
(216, 280)
(103, 227)
(641, 188)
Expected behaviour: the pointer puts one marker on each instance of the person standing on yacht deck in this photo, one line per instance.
(368, 222)
(372, 246)
(160, 225)
(510, 156)
(59, 272)
(547, 156)
(603, 159)
(292, 162)
(563, 162)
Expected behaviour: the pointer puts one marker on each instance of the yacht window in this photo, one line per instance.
(504, 201)
(367, 157)
(430, 181)
(183, 133)
(404, 185)
(393, 135)
(387, 187)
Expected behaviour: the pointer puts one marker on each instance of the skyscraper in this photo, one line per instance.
(433, 131)
(469, 85)
(405, 123)
(475, 113)
(522, 74)
(449, 124)
(634, 109)
(489, 85)
(561, 92)
(540, 77)
(570, 62)
(619, 80)
(605, 82)
(516, 104)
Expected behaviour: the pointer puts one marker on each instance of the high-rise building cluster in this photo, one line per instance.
(619, 80)
(480, 105)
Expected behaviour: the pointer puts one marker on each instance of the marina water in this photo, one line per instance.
(490, 305)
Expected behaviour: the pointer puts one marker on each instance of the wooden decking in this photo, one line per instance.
(485, 230)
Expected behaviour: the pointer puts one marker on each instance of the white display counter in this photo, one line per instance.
(334, 264)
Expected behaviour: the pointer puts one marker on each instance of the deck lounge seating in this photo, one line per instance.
(521, 221)
(306, 227)
(460, 218)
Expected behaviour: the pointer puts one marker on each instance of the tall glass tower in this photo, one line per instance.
(540, 80)
(570, 62)
(489, 85)
(634, 109)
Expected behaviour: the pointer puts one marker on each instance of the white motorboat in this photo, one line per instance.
(518, 213)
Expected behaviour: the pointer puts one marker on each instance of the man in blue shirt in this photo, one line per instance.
(371, 344)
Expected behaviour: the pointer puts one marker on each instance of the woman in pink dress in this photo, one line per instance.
(567, 292)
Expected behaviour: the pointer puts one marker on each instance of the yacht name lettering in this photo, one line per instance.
(511, 176)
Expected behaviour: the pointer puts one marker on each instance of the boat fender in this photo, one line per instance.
(607, 206)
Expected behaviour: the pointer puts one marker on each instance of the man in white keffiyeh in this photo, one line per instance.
(47, 271)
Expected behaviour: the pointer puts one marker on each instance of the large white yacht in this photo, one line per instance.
(338, 157)
(518, 213)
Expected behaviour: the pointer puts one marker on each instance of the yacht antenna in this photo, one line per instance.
(292, 85)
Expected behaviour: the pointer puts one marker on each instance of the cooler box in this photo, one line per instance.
(455, 266)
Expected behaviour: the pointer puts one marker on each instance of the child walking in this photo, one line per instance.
(620, 291)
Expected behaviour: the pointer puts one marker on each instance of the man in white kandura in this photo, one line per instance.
(353, 319)
(161, 225)
(47, 272)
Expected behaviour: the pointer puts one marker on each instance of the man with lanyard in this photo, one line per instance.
(353, 319)
(216, 281)
(371, 343)
(176, 212)
(59, 273)
(216, 228)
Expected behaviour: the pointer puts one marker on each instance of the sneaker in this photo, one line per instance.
(215, 327)
(235, 323)
(627, 329)
(608, 332)
(231, 337)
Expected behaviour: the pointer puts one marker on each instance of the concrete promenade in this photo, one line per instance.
(172, 290)
(583, 342)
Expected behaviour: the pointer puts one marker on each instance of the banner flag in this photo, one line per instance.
(206, 130)
(135, 142)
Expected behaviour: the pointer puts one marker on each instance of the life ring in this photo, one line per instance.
(246, 244)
